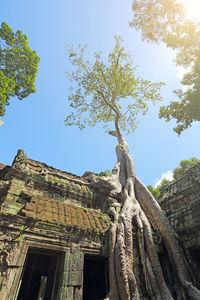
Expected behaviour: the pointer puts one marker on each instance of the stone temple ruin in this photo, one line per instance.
(54, 231)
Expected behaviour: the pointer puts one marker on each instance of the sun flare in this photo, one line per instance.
(192, 8)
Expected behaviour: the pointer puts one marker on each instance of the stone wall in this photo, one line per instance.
(44, 208)
(181, 203)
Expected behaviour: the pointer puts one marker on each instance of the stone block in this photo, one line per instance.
(78, 292)
(73, 278)
(80, 262)
(11, 208)
(67, 264)
(70, 293)
(63, 293)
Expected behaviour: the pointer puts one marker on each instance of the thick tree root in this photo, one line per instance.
(176, 254)
(138, 205)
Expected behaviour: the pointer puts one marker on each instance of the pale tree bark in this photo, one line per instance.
(138, 205)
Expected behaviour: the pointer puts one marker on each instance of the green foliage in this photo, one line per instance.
(18, 66)
(165, 21)
(154, 191)
(19, 239)
(161, 18)
(184, 166)
(23, 228)
(102, 217)
(164, 182)
(108, 173)
(100, 89)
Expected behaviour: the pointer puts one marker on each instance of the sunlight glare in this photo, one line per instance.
(192, 8)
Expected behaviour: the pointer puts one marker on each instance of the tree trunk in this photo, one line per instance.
(138, 207)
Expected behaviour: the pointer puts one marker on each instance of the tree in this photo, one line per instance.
(111, 93)
(184, 166)
(178, 172)
(156, 191)
(165, 21)
(18, 66)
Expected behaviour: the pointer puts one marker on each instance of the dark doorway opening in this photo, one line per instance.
(39, 279)
(95, 278)
(195, 255)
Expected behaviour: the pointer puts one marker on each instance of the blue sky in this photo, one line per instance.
(36, 124)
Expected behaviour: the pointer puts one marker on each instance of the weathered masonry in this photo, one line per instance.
(53, 234)
(54, 231)
(181, 203)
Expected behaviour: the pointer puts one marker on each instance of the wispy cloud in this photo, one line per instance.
(166, 175)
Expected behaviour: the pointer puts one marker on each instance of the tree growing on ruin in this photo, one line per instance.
(166, 21)
(111, 93)
(18, 66)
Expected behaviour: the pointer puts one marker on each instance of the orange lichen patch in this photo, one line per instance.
(2, 166)
(52, 211)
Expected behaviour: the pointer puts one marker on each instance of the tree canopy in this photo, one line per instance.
(99, 90)
(165, 21)
(18, 66)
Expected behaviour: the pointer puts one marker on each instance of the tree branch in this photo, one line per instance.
(112, 106)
